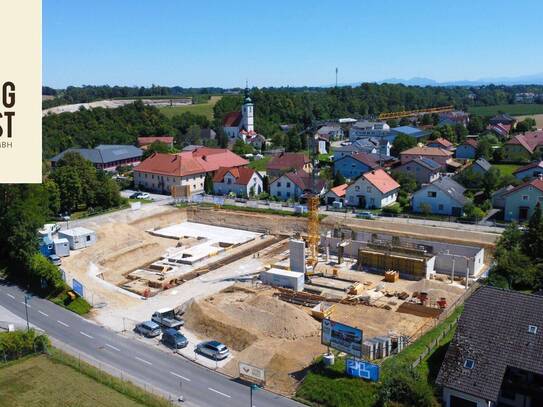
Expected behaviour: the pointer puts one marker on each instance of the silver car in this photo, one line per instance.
(149, 329)
(213, 349)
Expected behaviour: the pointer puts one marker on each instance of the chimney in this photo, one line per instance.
(204, 158)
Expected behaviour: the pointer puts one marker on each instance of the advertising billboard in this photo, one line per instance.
(364, 370)
(252, 373)
(342, 337)
(77, 287)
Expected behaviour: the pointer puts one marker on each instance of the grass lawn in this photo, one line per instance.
(506, 169)
(143, 201)
(40, 381)
(79, 305)
(514, 109)
(260, 165)
(205, 109)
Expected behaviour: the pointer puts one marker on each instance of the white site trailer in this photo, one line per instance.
(62, 247)
(283, 278)
(79, 237)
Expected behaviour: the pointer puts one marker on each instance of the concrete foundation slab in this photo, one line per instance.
(199, 230)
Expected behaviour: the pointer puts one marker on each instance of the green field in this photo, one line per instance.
(260, 165)
(514, 109)
(40, 381)
(506, 169)
(205, 109)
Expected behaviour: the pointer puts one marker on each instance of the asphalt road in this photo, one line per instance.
(162, 370)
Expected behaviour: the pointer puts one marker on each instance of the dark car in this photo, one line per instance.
(174, 339)
(213, 349)
(135, 195)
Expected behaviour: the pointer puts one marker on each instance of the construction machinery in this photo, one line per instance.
(409, 113)
(313, 203)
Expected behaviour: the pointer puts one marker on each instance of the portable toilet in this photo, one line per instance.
(62, 247)
(46, 246)
(79, 237)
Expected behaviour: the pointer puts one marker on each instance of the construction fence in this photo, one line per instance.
(94, 299)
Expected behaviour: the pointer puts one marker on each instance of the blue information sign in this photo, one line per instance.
(364, 370)
(77, 287)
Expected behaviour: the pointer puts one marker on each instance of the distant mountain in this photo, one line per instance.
(535, 79)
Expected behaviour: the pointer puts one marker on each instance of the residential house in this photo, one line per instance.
(520, 202)
(331, 131)
(502, 119)
(501, 130)
(414, 132)
(373, 190)
(365, 128)
(438, 155)
(160, 172)
(467, 150)
(443, 197)
(256, 140)
(288, 162)
(336, 194)
(480, 166)
(522, 147)
(323, 143)
(370, 145)
(144, 142)
(498, 197)
(423, 169)
(240, 181)
(441, 142)
(208, 135)
(532, 170)
(106, 156)
(293, 185)
(453, 118)
(496, 355)
(356, 164)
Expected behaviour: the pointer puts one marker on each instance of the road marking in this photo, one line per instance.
(10, 296)
(62, 323)
(144, 361)
(181, 377)
(112, 347)
(218, 392)
(43, 313)
(87, 335)
(24, 303)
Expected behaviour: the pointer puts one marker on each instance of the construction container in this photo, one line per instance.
(62, 247)
(46, 246)
(322, 310)
(391, 276)
(282, 278)
(79, 237)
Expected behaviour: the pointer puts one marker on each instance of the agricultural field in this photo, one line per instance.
(39, 381)
(205, 109)
(537, 117)
(512, 109)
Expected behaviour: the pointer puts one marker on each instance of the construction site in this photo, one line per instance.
(262, 283)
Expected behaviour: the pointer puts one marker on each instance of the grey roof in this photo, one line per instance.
(104, 153)
(503, 190)
(426, 163)
(329, 128)
(484, 164)
(411, 131)
(451, 188)
(493, 332)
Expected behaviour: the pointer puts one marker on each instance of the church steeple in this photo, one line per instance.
(247, 96)
(247, 111)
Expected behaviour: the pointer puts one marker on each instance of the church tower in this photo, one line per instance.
(247, 112)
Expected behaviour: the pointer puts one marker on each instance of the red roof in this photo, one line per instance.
(529, 140)
(431, 151)
(285, 161)
(144, 141)
(242, 174)
(471, 142)
(339, 190)
(381, 180)
(441, 141)
(198, 161)
(536, 183)
(303, 180)
(232, 119)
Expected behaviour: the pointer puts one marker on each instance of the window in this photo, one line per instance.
(288, 184)
(357, 188)
(278, 193)
(532, 329)
(432, 194)
(278, 185)
(440, 207)
(89, 238)
(469, 363)
(525, 197)
(288, 194)
(368, 189)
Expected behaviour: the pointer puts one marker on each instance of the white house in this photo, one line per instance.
(293, 185)
(240, 181)
(374, 189)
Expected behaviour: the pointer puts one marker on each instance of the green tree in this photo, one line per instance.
(266, 184)
(533, 238)
(208, 184)
(53, 192)
(484, 149)
(42, 270)
(339, 179)
(70, 186)
(401, 143)
(157, 147)
(476, 125)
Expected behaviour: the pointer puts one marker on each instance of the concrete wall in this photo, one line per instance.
(297, 255)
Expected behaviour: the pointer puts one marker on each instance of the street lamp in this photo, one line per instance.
(253, 387)
(27, 298)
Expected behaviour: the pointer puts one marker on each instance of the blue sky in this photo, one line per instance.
(296, 42)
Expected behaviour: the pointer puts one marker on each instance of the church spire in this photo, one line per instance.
(247, 96)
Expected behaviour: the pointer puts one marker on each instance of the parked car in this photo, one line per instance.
(53, 258)
(174, 339)
(366, 215)
(49, 228)
(135, 195)
(144, 195)
(149, 329)
(213, 349)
